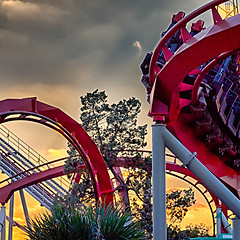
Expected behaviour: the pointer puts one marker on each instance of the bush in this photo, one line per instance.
(101, 223)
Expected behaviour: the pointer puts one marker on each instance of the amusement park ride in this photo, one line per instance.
(193, 84)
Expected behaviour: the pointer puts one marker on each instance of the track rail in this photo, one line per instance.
(7, 191)
(223, 36)
(172, 168)
(176, 80)
(30, 109)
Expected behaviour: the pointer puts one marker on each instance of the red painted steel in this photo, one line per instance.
(204, 72)
(7, 191)
(174, 29)
(205, 155)
(211, 43)
(29, 109)
(123, 162)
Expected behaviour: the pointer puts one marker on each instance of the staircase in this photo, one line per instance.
(18, 160)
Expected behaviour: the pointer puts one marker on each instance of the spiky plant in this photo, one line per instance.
(101, 223)
(113, 223)
(62, 223)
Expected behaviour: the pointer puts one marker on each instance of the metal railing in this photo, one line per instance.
(18, 160)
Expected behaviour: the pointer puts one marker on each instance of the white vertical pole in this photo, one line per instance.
(3, 222)
(159, 183)
(10, 228)
(226, 224)
(236, 228)
(3, 233)
(201, 172)
(219, 218)
(2, 215)
(24, 204)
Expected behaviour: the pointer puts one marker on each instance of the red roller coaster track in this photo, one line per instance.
(171, 167)
(210, 45)
(32, 110)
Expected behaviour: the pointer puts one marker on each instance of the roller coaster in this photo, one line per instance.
(192, 82)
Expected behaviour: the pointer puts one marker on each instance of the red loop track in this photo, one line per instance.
(212, 44)
(210, 47)
(30, 109)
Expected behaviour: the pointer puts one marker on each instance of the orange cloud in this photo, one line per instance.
(198, 206)
(56, 153)
(137, 45)
(174, 189)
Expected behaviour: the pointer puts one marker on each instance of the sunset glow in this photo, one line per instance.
(57, 51)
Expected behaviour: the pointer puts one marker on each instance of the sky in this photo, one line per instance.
(58, 50)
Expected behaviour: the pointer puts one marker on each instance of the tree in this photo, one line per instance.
(66, 222)
(82, 192)
(113, 127)
(198, 230)
(191, 231)
(178, 203)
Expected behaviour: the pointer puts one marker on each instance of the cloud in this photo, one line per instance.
(137, 45)
(42, 40)
(169, 190)
(199, 206)
(56, 153)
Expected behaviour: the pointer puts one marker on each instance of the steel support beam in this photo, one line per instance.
(226, 224)
(159, 183)
(24, 204)
(10, 228)
(3, 223)
(219, 222)
(162, 138)
(201, 172)
(236, 228)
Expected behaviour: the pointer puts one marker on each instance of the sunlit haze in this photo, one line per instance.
(58, 50)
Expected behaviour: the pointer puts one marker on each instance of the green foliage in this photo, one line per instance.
(112, 223)
(173, 232)
(112, 127)
(191, 231)
(178, 203)
(61, 224)
(139, 182)
(199, 230)
(100, 223)
(73, 161)
(82, 192)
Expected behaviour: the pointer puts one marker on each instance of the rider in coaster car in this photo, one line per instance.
(197, 27)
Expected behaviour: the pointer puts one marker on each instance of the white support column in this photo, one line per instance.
(10, 228)
(201, 172)
(219, 218)
(159, 183)
(236, 228)
(226, 224)
(3, 223)
(24, 204)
